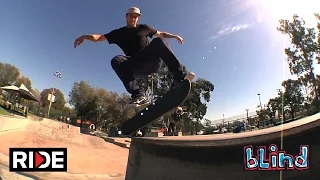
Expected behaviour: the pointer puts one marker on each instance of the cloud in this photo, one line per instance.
(231, 28)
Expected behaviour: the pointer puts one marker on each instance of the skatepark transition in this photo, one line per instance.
(222, 156)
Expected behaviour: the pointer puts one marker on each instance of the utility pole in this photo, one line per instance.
(57, 74)
(260, 108)
(249, 123)
(260, 101)
(279, 91)
(247, 113)
(223, 119)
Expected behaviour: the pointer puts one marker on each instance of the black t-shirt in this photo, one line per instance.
(131, 40)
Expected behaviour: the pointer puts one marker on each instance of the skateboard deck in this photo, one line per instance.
(166, 103)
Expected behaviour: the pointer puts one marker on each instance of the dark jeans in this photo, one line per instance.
(145, 62)
(172, 128)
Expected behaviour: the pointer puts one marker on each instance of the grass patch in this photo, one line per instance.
(4, 112)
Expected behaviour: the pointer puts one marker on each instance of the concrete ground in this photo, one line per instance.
(89, 157)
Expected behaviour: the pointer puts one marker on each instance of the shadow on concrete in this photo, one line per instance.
(19, 173)
(86, 131)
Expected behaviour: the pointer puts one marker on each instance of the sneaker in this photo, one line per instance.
(189, 75)
(137, 102)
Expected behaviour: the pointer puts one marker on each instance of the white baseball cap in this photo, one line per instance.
(134, 10)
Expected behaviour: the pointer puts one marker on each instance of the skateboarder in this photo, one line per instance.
(141, 57)
(175, 117)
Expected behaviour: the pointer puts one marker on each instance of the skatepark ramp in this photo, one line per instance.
(89, 157)
(222, 156)
(12, 123)
(61, 125)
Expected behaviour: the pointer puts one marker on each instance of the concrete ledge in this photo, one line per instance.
(122, 142)
(153, 134)
(8, 123)
(221, 156)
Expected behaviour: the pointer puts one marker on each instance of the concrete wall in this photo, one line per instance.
(221, 156)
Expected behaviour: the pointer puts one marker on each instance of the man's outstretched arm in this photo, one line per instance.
(92, 37)
(169, 35)
(165, 34)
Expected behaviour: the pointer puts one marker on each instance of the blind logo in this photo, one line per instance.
(275, 159)
(38, 159)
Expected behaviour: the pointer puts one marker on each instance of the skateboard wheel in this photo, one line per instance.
(178, 110)
(139, 133)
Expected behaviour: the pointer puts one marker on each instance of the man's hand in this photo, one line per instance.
(179, 39)
(169, 35)
(78, 41)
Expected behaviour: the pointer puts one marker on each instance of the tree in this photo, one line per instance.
(35, 106)
(110, 107)
(275, 105)
(318, 83)
(304, 49)
(104, 100)
(117, 110)
(318, 26)
(8, 74)
(197, 99)
(59, 99)
(97, 105)
(195, 105)
(67, 112)
(263, 115)
(305, 85)
(82, 97)
(207, 122)
(293, 97)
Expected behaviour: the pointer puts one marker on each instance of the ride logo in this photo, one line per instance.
(38, 159)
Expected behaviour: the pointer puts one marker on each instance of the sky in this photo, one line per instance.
(232, 43)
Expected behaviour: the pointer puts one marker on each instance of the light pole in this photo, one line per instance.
(260, 106)
(260, 101)
(57, 74)
(248, 122)
(278, 109)
(247, 110)
(222, 118)
(151, 94)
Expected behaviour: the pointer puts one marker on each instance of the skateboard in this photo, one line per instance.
(147, 115)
